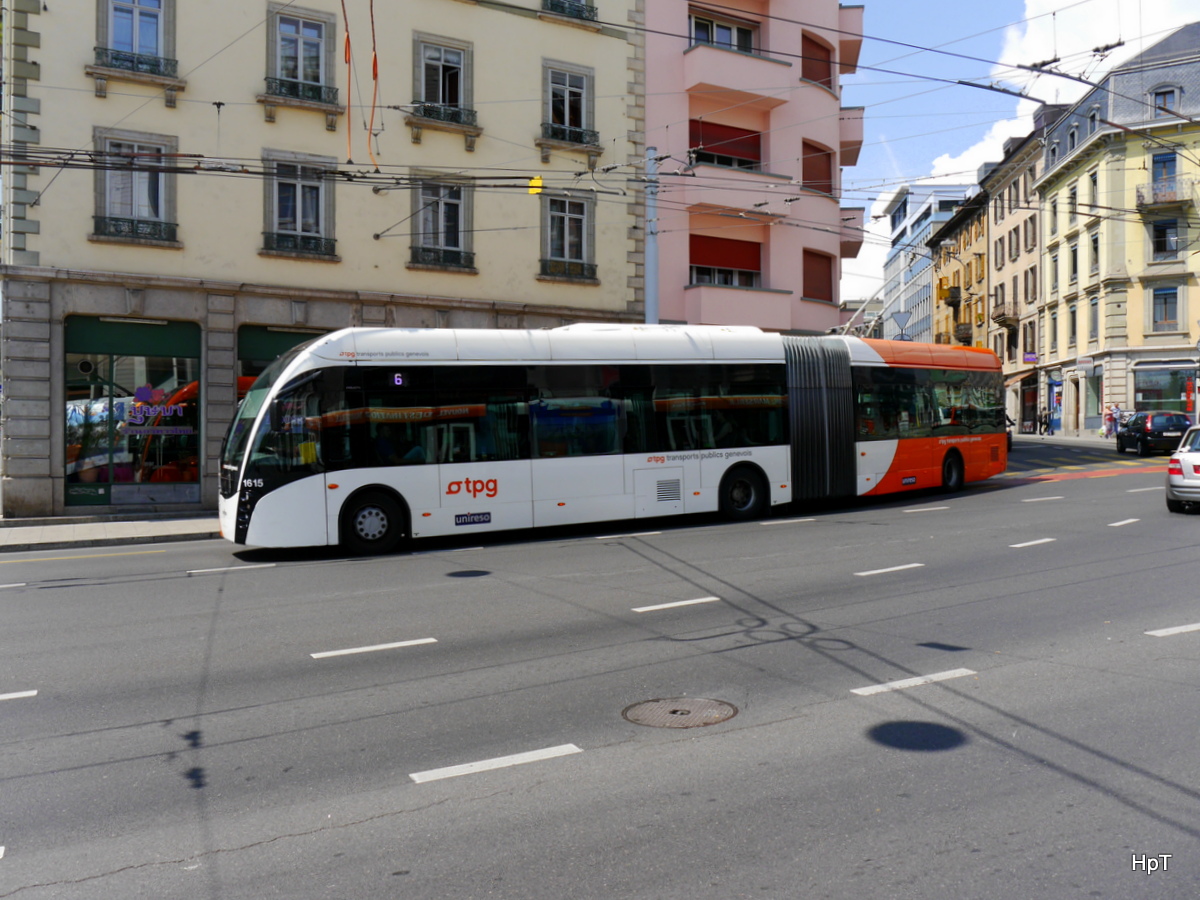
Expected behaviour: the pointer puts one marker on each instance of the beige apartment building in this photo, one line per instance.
(192, 188)
(1118, 318)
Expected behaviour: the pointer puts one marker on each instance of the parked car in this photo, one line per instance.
(1183, 473)
(1157, 430)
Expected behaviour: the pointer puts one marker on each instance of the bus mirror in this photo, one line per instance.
(275, 418)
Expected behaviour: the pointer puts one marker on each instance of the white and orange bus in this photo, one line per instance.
(366, 436)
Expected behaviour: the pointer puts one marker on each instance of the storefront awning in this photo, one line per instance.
(1166, 364)
(1014, 379)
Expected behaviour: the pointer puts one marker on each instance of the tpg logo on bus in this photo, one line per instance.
(474, 486)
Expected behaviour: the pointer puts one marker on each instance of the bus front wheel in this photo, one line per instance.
(952, 473)
(744, 494)
(372, 523)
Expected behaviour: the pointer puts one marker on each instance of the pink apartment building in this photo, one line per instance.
(743, 101)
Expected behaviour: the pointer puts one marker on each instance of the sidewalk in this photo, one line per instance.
(21, 535)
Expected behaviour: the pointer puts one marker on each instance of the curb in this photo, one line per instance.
(110, 542)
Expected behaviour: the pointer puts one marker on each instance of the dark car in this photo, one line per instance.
(1157, 430)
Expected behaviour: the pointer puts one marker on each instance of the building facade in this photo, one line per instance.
(1117, 316)
(743, 110)
(915, 212)
(194, 188)
(1014, 227)
(959, 252)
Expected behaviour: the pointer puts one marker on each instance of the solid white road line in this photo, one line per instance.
(1139, 490)
(18, 584)
(911, 682)
(500, 762)
(1040, 499)
(1180, 629)
(18, 695)
(925, 509)
(230, 569)
(328, 653)
(892, 569)
(786, 521)
(1033, 543)
(1122, 522)
(642, 609)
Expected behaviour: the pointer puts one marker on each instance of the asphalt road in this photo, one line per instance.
(199, 729)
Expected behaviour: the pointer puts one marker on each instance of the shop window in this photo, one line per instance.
(130, 420)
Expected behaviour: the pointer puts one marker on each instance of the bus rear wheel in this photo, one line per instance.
(372, 523)
(743, 494)
(952, 473)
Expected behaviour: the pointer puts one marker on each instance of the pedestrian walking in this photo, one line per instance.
(1043, 421)
(1110, 418)
(1116, 410)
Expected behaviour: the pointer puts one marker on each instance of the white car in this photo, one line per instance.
(1183, 473)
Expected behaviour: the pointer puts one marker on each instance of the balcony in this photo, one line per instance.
(134, 229)
(850, 26)
(302, 90)
(1167, 192)
(1006, 315)
(850, 132)
(714, 304)
(570, 9)
(441, 258)
(156, 66)
(308, 244)
(441, 117)
(951, 296)
(568, 269)
(852, 231)
(730, 78)
(715, 188)
(439, 112)
(569, 137)
(964, 333)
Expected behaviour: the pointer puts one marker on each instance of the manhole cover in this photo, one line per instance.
(679, 712)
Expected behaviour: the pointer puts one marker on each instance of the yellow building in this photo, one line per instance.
(959, 252)
(193, 187)
(1121, 296)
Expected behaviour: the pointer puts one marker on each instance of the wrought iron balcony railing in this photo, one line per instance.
(442, 256)
(147, 229)
(301, 90)
(568, 268)
(570, 8)
(136, 62)
(964, 333)
(299, 243)
(569, 134)
(442, 113)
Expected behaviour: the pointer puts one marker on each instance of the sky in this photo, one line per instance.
(917, 128)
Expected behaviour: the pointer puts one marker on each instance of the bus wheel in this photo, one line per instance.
(952, 473)
(743, 494)
(372, 523)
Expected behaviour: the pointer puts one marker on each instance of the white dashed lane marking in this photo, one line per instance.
(373, 648)
(500, 762)
(892, 569)
(1178, 629)
(911, 682)
(642, 609)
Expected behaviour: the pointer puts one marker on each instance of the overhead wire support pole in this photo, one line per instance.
(651, 268)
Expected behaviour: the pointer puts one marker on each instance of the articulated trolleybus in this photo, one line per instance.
(366, 436)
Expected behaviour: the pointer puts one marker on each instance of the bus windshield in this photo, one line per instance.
(243, 421)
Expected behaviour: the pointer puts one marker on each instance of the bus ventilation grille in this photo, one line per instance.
(670, 491)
